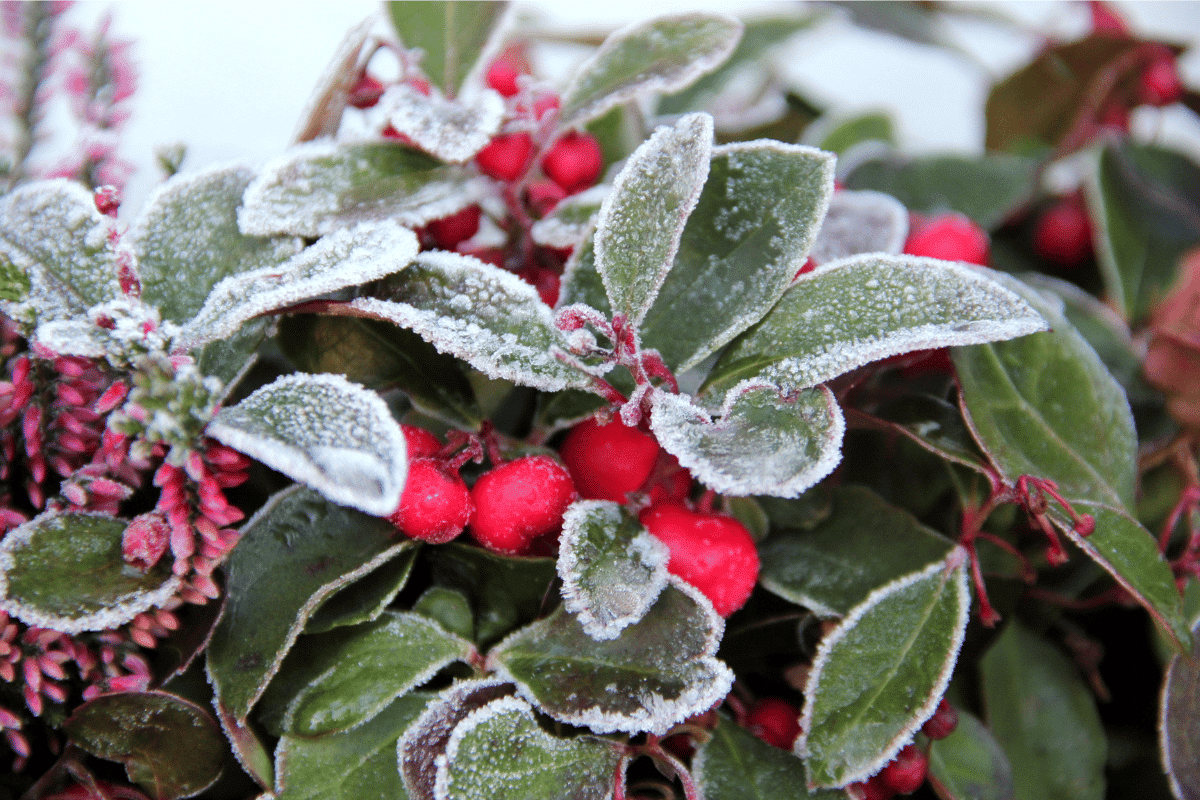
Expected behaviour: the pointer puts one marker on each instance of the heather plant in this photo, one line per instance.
(616, 436)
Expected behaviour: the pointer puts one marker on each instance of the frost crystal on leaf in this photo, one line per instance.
(325, 432)
(571, 221)
(449, 130)
(860, 222)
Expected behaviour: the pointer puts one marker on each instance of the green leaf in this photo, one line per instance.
(934, 424)
(321, 187)
(325, 432)
(187, 239)
(766, 441)
(864, 543)
(736, 765)
(581, 281)
(571, 220)
(860, 222)
(355, 765)
(57, 246)
(381, 356)
(969, 764)
(870, 689)
(612, 569)
(445, 129)
(322, 115)
(170, 747)
(500, 753)
(656, 673)
(229, 359)
(1179, 722)
(642, 218)
(66, 572)
(294, 553)
(482, 314)
(869, 307)
(14, 284)
(840, 135)
(1044, 717)
(451, 36)
(448, 608)
(366, 599)
(344, 258)
(361, 670)
(912, 21)
(664, 54)
(754, 224)
(248, 749)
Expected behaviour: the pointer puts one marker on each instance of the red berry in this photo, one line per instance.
(448, 232)
(502, 76)
(543, 196)
(716, 554)
(420, 442)
(365, 92)
(906, 772)
(107, 199)
(871, 789)
(951, 237)
(435, 505)
(1160, 84)
(574, 162)
(505, 157)
(942, 723)
(519, 501)
(674, 487)
(546, 281)
(1063, 233)
(775, 721)
(608, 461)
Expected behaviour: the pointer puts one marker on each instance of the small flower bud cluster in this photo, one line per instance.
(169, 402)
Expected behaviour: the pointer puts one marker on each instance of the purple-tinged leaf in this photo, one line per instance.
(864, 543)
(366, 599)
(246, 746)
(499, 752)
(1043, 715)
(612, 569)
(858, 223)
(324, 432)
(448, 130)
(969, 764)
(763, 441)
(656, 673)
(643, 217)
(297, 551)
(170, 747)
(866, 308)
(67, 572)
(736, 765)
(1179, 722)
(664, 55)
(453, 37)
(882, 671)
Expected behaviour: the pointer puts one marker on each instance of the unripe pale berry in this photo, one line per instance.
(505, 157)
(906, 772)
(1063, 233)
(775, 721)
(435, 505)
(608, 461)
(448, 232)
(419, 443)
(714, 553)
(942, 723)
(951, 237)
(519, 501)
(574, 162)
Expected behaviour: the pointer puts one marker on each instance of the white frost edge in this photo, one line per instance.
(852, 202)
(295, 463)
(553, 231)
(956, 562)
(645, 549)
(486, 713)
(692, 134)
(227, 722)
(178, 184)
(446, 129)
(689, 73)
(675, 440)
(1164, 750)
(109, 617)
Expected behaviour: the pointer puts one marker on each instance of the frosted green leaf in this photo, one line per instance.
(446, 129)
(53, 236)
(663, 55)
(763, 441)
(484, 315)
(612, 569)
(361, 670)
(736, 765)
(230, 359)
(499, 752)
(452, 37)
(865, 308)
(1179, 721)
(246, 747)
(324, 432)
(749, 235)
(320, 187)
(571, 220)
(187, 239)
(581, 283)
(882, 671)
(642, 218)
(14, 285)
(322, 115)
(656, 673)
(860, 222)
(344, 258)
(66, 572)
(366, 599)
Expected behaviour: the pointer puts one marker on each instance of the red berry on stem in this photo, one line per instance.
(942, 723)
(906, 772)
(107, 199)
(420, 442)
(714, 553)
(952, 237)
(505, 157)
(365, 92)
(502, 76)
(543, 196)
(435, 505)
(1160, 84)
(448, 232)
(608, 461)
(1063, 233)
(574, 162)
(519, 501)
(775, 721)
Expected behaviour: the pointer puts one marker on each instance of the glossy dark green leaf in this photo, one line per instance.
(449, 608)
(839, 135)
(366, 598)
(863, 544)
(294, 553)
(969, 764)
(451, 36)
(355, 765)
(66, 572)
(231, 358)
(656, 673)
(754, 224)
(1179, 722)
(187, 239)
(936, 425)
(170, 747)
(736, 765)
(881, 673)
(866, 308)
(1044, 717)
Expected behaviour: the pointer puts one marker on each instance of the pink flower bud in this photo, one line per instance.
(145, 541)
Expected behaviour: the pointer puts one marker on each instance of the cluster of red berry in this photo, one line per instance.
(905, 773)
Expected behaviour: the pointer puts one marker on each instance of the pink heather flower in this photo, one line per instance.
(145, 540)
